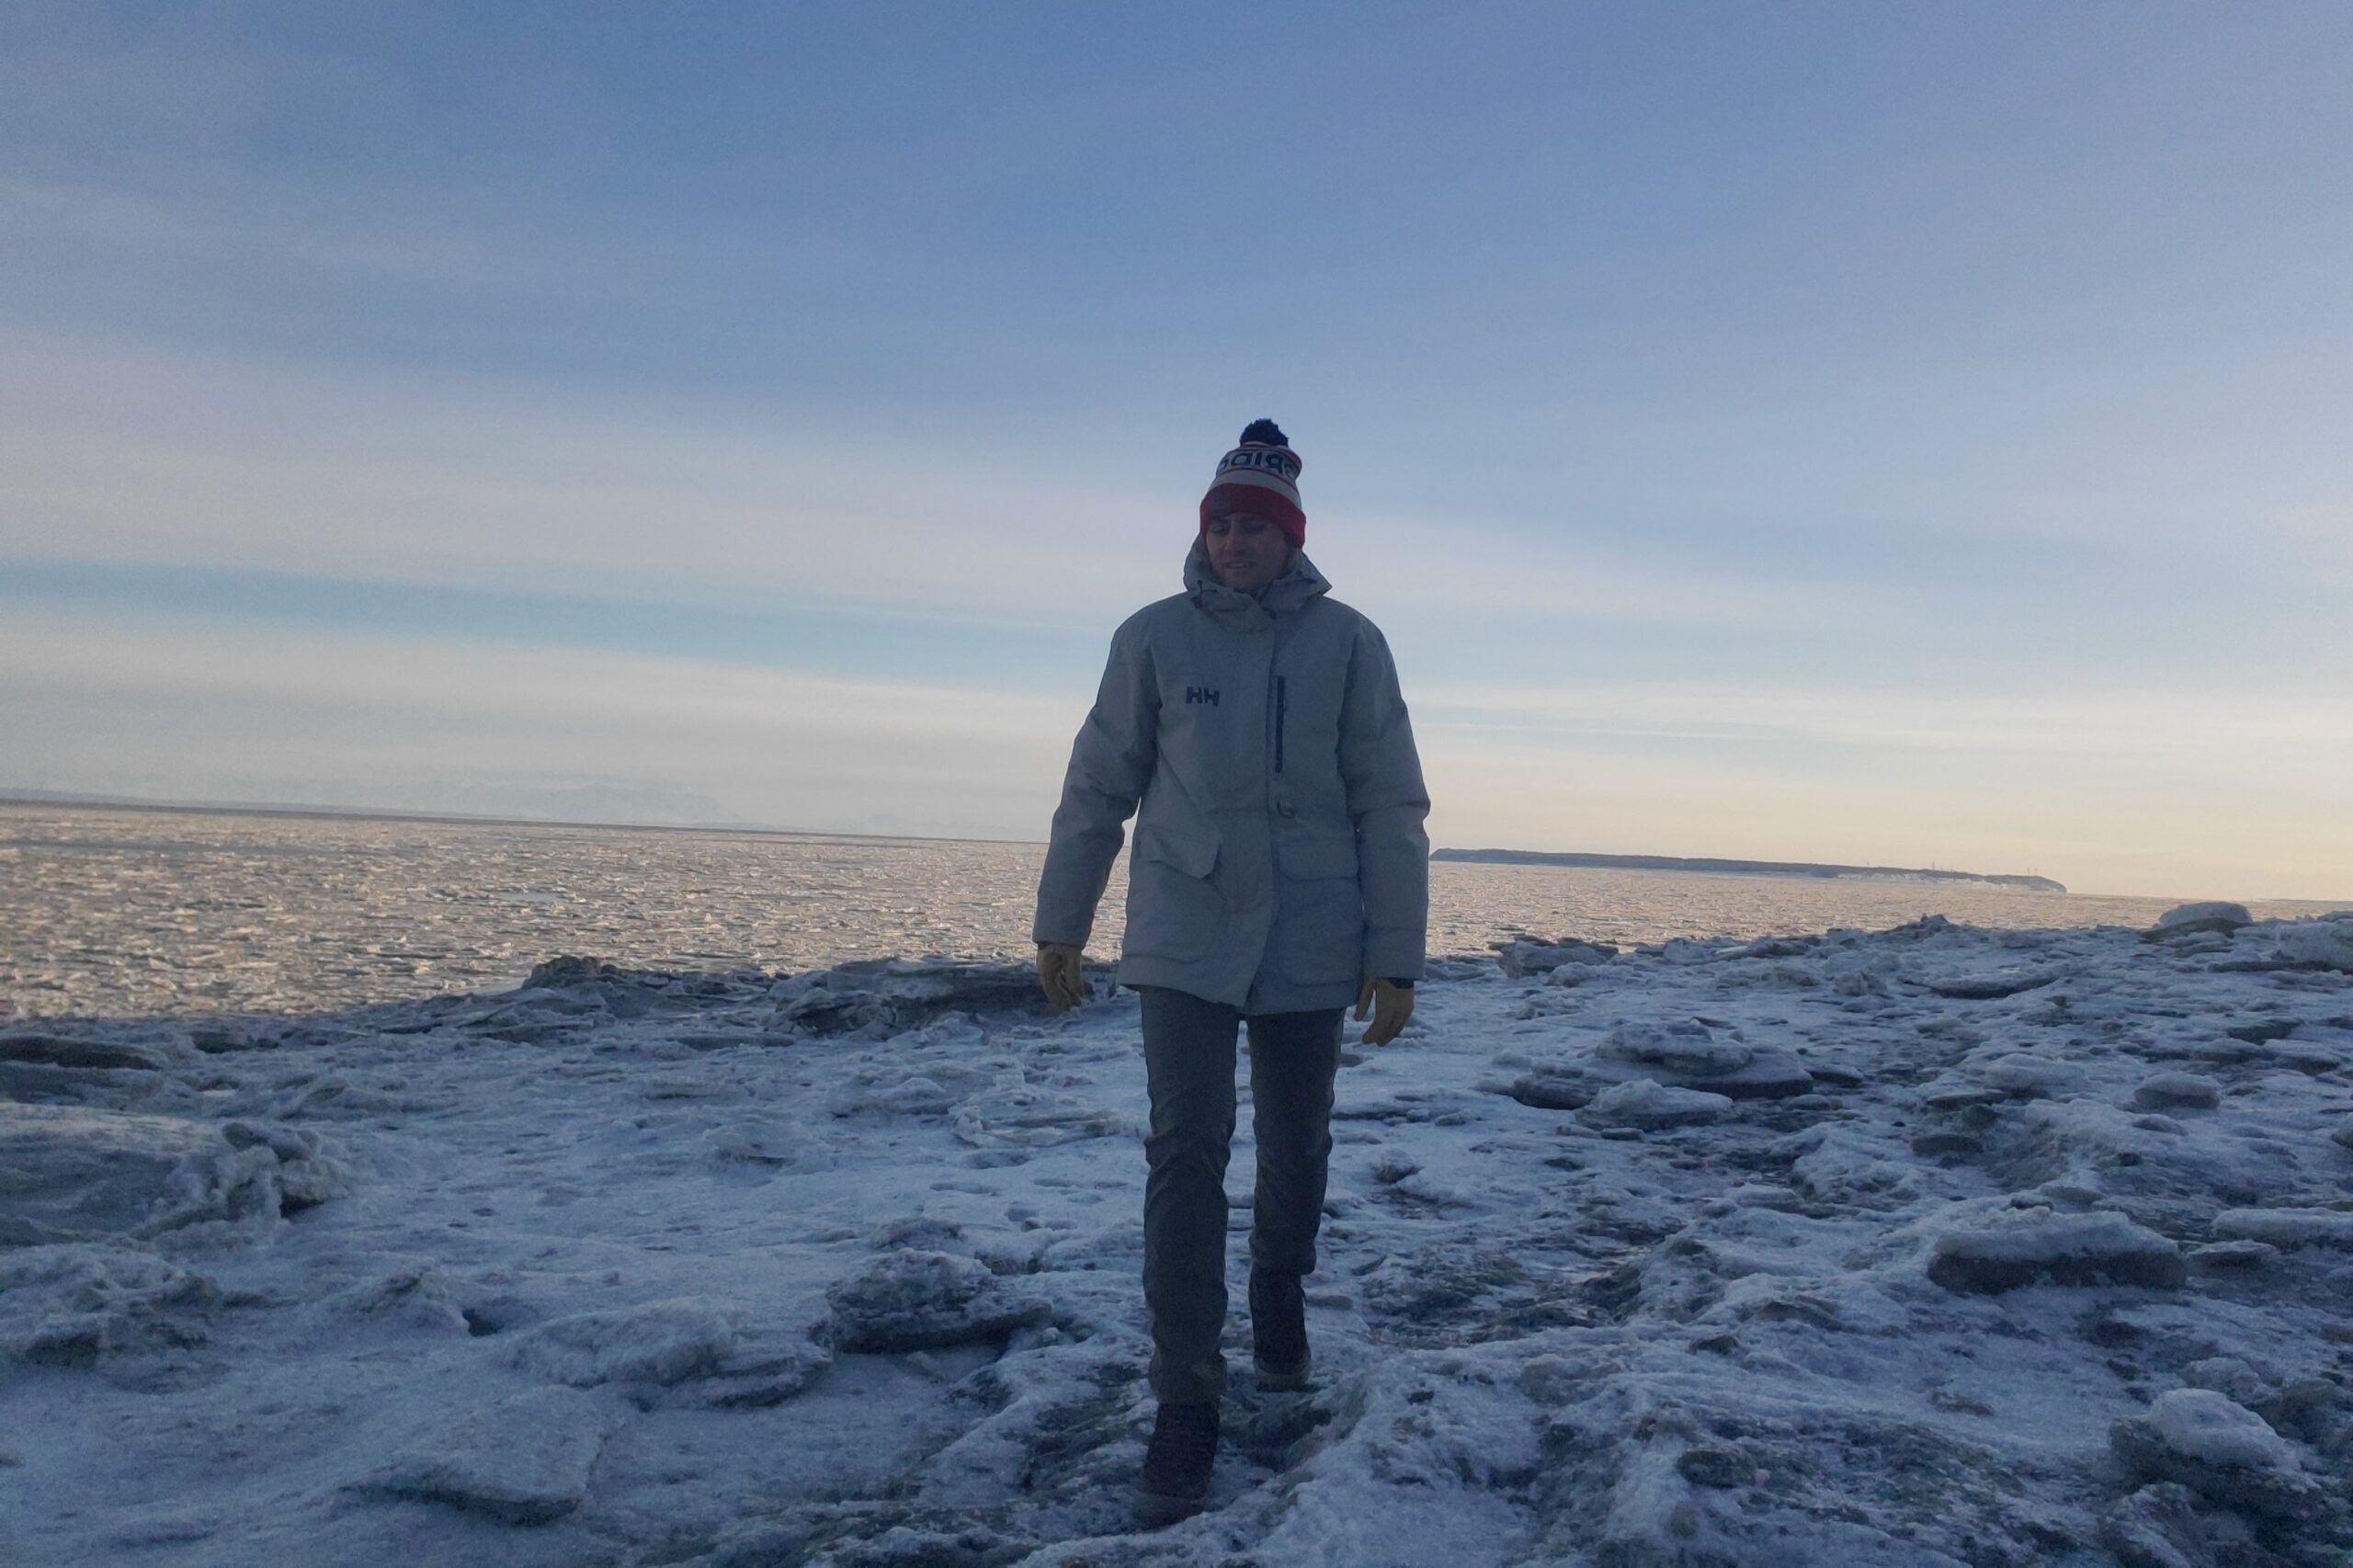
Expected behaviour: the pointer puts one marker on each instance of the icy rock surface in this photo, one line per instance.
(842, 1266)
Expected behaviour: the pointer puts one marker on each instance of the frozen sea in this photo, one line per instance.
(342, 1223)
(120, 912)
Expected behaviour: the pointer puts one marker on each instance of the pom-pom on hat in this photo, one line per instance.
(1260, 476)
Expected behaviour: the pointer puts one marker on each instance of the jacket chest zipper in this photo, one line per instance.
(1281, 702)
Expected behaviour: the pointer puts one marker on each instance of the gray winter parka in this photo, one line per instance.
(1279, 856)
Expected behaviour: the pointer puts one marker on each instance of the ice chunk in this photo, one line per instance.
(660, 1342)
(2210, 916)
(707, 1352)
(417, 1293)
(1645, 1103)
(772, 1141)
(1685, 1049)
(1022, 1115)
(2021, 1246)
(1993, 987)
(1551, 1091)
(2219, 1448)
(2288, 1228)
(2228, 1376)
(912, 1300)
(2218, 1256)
(49, 1049)
(77, 1174)
(1521, 958)
(2166, 1090)
(2157, 1527)
(76, 1306)
(1845, 1167)
(523, 1460)
(2318, 944)
(2031, 1076)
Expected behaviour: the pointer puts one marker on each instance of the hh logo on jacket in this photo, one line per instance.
(1206, 696)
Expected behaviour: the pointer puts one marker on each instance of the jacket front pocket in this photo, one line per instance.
(1319, 918)
(1174, 909)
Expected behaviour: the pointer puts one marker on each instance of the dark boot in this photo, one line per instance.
(1176, 1481)
(1278, 1328)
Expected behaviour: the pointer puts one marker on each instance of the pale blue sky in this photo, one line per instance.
(1858, 432)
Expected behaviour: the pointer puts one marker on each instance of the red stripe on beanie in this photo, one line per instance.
(1260, 500)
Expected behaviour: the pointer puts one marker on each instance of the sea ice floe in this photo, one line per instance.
(1555, 1090)
(76, 1173)
(1840, 1163)
(521, 1460)
(1648, 1105)
(2011, 1248)
(86, 1306)
(1692, 1054)
(2228, 1376)
(1520, 959)
(913, 1300)
(661, 1342)
(2219, 1448)
(2177, 1090)
(2211, 915)
(711, 1352)
(1022, 1115)
(2288, 1228)
(2320, 944)
(1688, 1049)
(52, 1048)
(2027, 1075)
(781, 1143)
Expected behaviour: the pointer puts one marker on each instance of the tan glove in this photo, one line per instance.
(1062, 976)
(1392, 1006)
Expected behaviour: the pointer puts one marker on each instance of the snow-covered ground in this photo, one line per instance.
(1932, 1245)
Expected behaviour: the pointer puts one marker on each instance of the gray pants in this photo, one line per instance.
(1189, 1046)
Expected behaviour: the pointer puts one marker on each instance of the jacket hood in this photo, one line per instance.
(1287, 594)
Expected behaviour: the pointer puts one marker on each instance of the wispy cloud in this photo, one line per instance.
(196, 713)
(2117, 725)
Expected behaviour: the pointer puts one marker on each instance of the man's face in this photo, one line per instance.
(1246, 551)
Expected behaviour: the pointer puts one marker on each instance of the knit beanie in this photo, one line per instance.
(1260, 476)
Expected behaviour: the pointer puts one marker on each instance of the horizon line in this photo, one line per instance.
(72, 800)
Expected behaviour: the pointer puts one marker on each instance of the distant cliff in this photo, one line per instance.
(1741, 868)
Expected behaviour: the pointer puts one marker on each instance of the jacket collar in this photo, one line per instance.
(1299, 586)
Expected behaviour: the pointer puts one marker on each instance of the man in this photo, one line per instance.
(1280, 871)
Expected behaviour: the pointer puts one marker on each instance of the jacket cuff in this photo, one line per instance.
(1393, 953)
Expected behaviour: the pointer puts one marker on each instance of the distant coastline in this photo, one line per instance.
(1745, 867)
(69, 800)
(65, 800)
